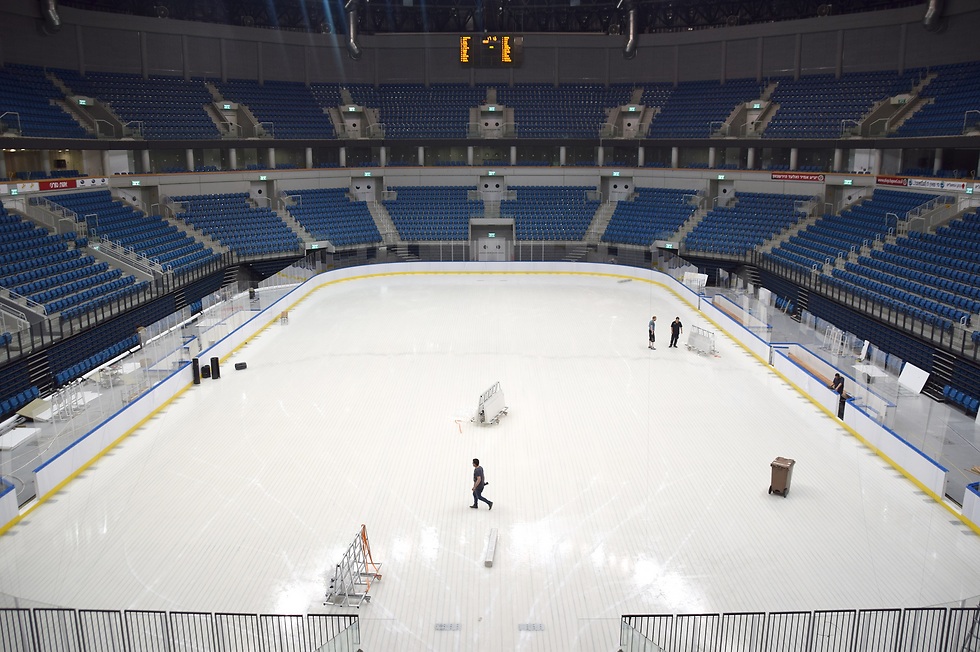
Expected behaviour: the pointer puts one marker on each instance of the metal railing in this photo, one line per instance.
(268, 128)
(928, 629)
(13, 113)
(955, 339)
(98, 129)
(974, 125)
(124, 631)
(133, 128)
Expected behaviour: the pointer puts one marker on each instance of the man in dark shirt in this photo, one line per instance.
(479, 481)
(676, 328)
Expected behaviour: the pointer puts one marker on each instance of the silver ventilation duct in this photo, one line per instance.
(51, 21)
(933, 20)
(629, 50)
(353, 48)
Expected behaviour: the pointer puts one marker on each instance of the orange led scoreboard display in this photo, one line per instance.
(491, 51)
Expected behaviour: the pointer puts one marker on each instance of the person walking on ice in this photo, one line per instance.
(652, 329)
(479, 482)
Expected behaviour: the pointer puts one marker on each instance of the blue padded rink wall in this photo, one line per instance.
(624, 480)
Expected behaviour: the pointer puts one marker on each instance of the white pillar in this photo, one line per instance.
(343, 157)
(383, 154)
(105, 163)
(421, 155)
(640, 155)
(675, 156)
(794, 156)
(145, 157)
(712, 153)
(513, 154)
(272, 158)
(309, 158)
(189, 158)
(469, 155)
(876, 162)
(600, 156)
(46, 161)
(937, 163)
(750, 160)
(838, 159)
(562, 154)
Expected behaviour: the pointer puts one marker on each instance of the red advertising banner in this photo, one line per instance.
(57, 184)
(797, 176)
(891, 181)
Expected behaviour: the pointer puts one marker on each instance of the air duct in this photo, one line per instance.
(51, 21)
(629, 50)
(353, 49)
(933, 20)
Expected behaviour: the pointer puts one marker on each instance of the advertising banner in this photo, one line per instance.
(891, 181)
(797, 176)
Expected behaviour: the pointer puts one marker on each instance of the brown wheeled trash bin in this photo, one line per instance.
(782, 475)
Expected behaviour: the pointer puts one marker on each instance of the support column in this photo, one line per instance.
(272, 158)
(712, 153)
(189, 159)
(675, 156)
(469, 155)
(600, 156)
(309, 158)
(145, 157)
(3, 165)
(46, 161)
(105, 164)
(421, 155)
(838, 159)
(876, 162)
(513, 154)
(640, 156)
(233, 159)
(794, 156)
(937, 163)
(342, 154)
(750, 160)
(383, 154)
(562, 154)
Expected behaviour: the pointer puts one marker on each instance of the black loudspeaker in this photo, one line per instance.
(196, 368)
(241, 365)
(206, 371)
(215, 372)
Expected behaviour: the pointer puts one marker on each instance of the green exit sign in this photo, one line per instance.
(226, 106)
(615, 174)
(848, 182)
(136, 182)
(491, 173)
(263, 177)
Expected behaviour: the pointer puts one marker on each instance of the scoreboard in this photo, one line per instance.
(491, 51)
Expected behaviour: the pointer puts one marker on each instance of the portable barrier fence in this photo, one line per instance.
(930, 629)
(34, 630)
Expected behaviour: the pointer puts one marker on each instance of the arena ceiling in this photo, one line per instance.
(522, 16)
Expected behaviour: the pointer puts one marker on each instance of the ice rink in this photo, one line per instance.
(624, 480)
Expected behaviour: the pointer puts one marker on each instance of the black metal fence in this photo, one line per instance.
(71, 630)
(957, 340)
(931, 629)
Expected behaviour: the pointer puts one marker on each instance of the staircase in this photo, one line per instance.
(600, 221)
(387, 228)
(295, 226)
(942, 374)
(39, 371)
(802, 303)
(230, 277)
(783, 237)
